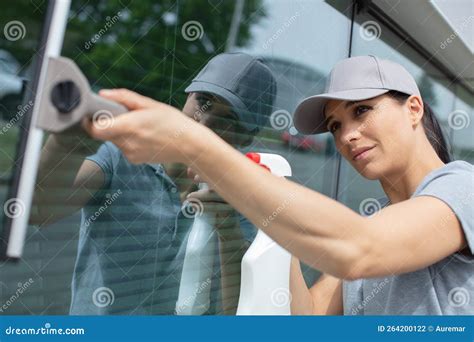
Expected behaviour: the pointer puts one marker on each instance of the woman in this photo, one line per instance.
(414, 256)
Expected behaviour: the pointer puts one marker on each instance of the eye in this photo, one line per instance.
(359, 110)
(333, 127)
(204, 104)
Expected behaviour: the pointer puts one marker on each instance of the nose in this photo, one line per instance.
(351, 132)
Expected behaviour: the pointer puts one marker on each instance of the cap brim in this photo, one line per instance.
(237, 104)
(309, 114)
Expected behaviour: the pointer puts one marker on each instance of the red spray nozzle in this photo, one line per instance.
(255, 157)
(274, 163)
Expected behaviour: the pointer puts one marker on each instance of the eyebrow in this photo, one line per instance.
(346, 105)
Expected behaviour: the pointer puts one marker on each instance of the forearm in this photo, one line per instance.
(301, 300)
(313, 227)
(58, 168)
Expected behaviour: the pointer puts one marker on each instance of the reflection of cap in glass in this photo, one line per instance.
(353, 79)
(244, 81)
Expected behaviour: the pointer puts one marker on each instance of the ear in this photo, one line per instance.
(415, 106)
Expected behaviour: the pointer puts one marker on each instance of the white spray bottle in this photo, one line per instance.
(265, 274)
(195, 285)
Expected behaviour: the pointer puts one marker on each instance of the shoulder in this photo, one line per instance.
(456, 177)
(453, 184)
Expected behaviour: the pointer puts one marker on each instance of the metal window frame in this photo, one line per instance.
(29, 148)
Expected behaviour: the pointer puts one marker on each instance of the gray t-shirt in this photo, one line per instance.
(444, 288)
(132, 242)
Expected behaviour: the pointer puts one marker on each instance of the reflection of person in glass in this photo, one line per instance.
(414, 256)
(133, 232)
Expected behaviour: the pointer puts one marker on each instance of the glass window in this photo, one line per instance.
(110, 237)
(461, 123)
(18, 49)
(19, 54)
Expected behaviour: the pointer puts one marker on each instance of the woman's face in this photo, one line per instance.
(380, 125)
(217, 115)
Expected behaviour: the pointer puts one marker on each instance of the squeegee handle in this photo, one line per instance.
(100, 104)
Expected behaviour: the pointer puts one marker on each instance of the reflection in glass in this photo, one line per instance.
(110, 237)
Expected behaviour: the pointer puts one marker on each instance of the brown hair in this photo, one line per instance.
(431, 125)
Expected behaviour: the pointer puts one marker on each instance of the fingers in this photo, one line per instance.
(118, 126)
(194, 176)
(128, 98)
(205, 195)
(190, 173)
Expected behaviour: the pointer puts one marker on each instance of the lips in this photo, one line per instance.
(357, 152)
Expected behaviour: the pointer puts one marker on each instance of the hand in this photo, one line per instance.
(151, 132)
(226, 217)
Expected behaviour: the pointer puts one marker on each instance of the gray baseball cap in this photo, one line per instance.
(244, 81)
(353, 79)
